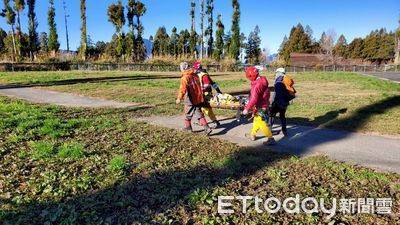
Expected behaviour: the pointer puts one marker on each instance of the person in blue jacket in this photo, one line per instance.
(281, 100)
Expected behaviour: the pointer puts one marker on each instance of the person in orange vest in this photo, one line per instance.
(207, 84)
(259, 104)
(190, 92)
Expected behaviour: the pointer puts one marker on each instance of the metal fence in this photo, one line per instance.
(14, 67)
(340, 68)
(65, 66)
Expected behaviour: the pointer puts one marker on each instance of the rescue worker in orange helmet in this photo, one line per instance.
(190, 93)
(259, 104)
(207, 84)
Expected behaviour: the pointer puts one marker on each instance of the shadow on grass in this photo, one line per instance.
(147, 196)
(318, 121)
(143, 197)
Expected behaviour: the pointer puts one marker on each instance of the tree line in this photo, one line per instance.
(376, 47)
(129, 47)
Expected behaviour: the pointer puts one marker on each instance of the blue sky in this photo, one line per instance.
(353, 18)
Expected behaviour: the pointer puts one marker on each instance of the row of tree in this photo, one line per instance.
(377, 47)
(27, 45)
(191, 44)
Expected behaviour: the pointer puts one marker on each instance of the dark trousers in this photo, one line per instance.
(275, 110)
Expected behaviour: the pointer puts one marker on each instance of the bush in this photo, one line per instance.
(71, 150)
(318, 67)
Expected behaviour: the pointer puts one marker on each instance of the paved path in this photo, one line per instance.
(392, 76)
(377, 152)
(58, 98)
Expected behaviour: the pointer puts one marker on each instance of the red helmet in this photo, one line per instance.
(197, 65)
(252, 73)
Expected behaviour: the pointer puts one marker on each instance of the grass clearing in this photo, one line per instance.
(158, 176)
(339, 100)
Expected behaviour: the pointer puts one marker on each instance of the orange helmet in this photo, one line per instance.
(197, 65)
(252, 73)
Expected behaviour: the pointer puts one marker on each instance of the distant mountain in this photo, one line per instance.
(149, 47)
(273, 57)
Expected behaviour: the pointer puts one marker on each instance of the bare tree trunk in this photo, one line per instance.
(13, 40)
(201, 28)
(19, 33)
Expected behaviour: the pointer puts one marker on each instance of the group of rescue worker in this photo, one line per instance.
(196, 91)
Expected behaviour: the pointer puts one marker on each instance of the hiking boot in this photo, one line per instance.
(270, 141)
(250, 137)
(187, 129)
(207, 131)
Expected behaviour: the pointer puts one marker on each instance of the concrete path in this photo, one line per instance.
(58, 98)
(392, 76)
(377, 152)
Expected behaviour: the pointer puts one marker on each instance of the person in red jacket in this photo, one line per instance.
(259, 104)
(207, 84)
(190, 92)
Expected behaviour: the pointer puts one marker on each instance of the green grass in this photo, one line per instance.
(117, 164)
(43, 150)
(371, 105)
(102, 167)
(71, 150)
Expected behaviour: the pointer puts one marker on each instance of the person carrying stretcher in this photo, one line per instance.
(259, 104)
(207, 84)
(190, 93)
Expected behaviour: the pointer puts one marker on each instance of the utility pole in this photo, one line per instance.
(66, 23)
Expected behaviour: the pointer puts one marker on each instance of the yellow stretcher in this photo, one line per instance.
(227, 101)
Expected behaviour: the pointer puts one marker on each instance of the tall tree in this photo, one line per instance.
(201, 29)
(3, 36)
(173, 43)
(253, 50)
(33, 41)
(9, 14)
(183, 43)
(235, 42)
(282, 46)
(140, 48)
(116, 16)
(161, 43)
(53, 44)
(299, 41)
(193, 35)
(84, 40)
(130, 17)
(209, 30)
(397, 46)
(327, 42)
(219, 45)
(44, 42)
(19, 6)
(356, 48)
(340, 47)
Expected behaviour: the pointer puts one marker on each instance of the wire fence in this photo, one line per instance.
(65, 66)
(15, 67)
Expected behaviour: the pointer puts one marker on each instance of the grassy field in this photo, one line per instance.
(73, 166)
(334, 100)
